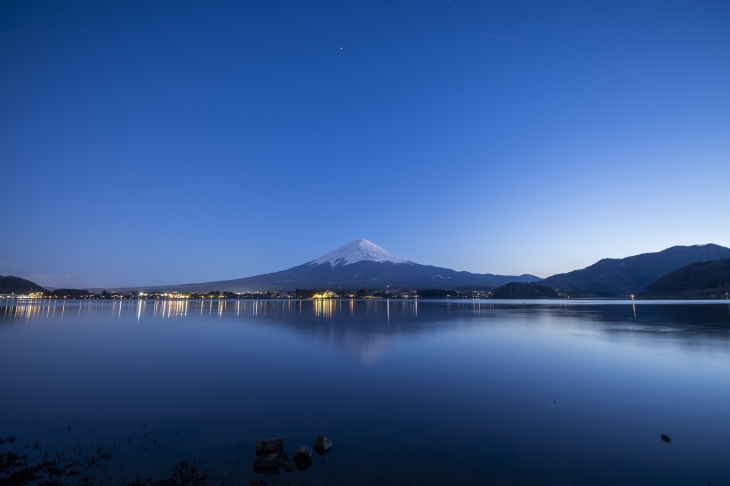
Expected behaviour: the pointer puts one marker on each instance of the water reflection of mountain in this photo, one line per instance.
(363, 329)
(692, 327)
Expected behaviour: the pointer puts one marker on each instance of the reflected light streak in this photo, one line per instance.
(323, 307)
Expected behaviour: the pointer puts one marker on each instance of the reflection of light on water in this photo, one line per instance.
(477, 307)
(324, 307)
(165, 309)
(26, 310)
(176, 308)
(361, 330)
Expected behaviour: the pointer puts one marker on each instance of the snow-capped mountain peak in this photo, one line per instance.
(357, 251)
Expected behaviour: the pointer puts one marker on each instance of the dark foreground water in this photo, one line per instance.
(410, 393)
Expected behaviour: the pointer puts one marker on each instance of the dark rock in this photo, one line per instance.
(303, 458)
(322, 445)
(666, 438)
(269, 446)
(267, 461)
(287, 465)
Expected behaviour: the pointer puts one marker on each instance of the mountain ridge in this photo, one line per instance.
(700, 279)
(17, 285)
(631, 275)
(358, 264)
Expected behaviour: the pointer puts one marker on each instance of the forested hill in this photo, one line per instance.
(631, 275)
(18, 286)
(702, 279)
(523, 290)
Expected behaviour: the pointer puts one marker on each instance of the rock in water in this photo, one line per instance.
(666, 438)
(269, 446)
(322, 445)
(267, 463)
(303, 458)
(287, 465)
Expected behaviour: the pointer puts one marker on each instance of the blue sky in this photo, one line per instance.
(170, 142)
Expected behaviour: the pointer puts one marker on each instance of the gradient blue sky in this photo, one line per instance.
(169, 142)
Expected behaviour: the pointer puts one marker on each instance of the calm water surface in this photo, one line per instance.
(410, 393)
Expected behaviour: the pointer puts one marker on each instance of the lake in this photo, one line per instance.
(427, 392)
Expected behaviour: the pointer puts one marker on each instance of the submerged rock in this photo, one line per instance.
(303, 458)
(322, 445)
(666, 438)
(287, 464)
(269, 446)
(266, 462)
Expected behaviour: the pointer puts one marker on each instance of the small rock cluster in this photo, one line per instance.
(270, 455)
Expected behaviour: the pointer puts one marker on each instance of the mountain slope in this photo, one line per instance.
(18, 286)
(631, 275)
(359, 264)
(701, 279)
(357, 251)
(522, 290)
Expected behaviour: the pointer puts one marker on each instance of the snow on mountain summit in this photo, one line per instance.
(357, 251)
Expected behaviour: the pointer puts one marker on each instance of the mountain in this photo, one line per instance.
(18, 286)
(701, 279)
(524, 290)
(359, 264)
(631, 275)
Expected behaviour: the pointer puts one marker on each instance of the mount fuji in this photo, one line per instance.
(359, 264)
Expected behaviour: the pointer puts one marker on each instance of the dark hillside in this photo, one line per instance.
(631, 275)
(702, 279)
(69, 293)
(19, 286)
(523, 290)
